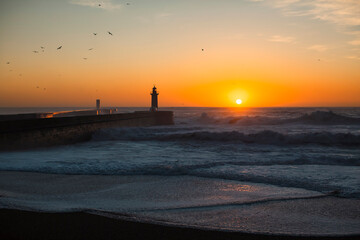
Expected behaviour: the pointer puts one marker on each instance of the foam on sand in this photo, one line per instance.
(185, 201)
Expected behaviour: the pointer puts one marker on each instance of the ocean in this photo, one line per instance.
(213, 166)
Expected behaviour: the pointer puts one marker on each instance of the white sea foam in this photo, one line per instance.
(262, 137)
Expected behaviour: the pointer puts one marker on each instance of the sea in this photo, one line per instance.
(210, 159)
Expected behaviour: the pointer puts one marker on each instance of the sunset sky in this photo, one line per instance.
(269, 53)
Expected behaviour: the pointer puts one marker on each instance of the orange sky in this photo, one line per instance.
(261, 53)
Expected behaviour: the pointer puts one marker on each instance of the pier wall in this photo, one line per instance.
(45, 132)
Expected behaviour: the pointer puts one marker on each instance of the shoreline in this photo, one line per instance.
(56, 206)
(20, 224)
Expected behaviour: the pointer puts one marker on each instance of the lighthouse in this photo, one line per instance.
(154, 100)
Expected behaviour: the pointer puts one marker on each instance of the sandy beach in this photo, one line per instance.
(54, 206)
(18, 224)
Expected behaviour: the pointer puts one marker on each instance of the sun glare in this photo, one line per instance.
(238, 101)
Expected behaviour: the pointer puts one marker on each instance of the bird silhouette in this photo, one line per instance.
(110, 33)
(37, 86)
(127, 3)
(84, 58)
(202, 49)
(95, 34)
(8, 63)
(59, 47)
(99, 5)
(42, 47)
(90, 49)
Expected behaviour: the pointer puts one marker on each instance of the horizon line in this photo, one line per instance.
(92, 107)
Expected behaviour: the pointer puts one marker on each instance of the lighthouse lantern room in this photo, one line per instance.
(154, 100)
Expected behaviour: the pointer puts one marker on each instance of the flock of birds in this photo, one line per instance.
(58, 48)
(42, 49)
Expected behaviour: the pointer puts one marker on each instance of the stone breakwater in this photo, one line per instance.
(45, 132)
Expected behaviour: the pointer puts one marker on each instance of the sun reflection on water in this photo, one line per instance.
(238, 188)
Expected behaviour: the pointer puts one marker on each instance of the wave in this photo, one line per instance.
(316, 118)
(326, 117)
(139, 133)
(176, 168)
(263, 137)
(271, 137)
(215, 170)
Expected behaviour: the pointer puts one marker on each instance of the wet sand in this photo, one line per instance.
(17, 224)
(55, 206)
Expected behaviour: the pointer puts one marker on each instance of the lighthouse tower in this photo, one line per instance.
(154, 100)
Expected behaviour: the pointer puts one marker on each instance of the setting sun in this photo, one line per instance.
(200, 95)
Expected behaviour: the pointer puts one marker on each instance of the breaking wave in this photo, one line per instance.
(316, 118)
(271, 137)
(230, 170)
(263, 137)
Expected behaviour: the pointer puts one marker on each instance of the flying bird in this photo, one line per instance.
(37, 86)
(202, 49)
(42, 47)
(8, 63)
(84, 58)
(59, 47)
(110, 33)
(127, 3)
(90, 49)
(95, 34)
(99, 5)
